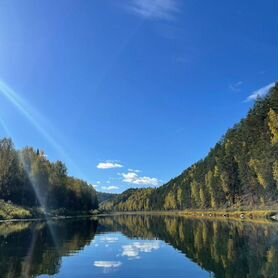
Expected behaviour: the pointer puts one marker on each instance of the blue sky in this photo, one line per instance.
(130, 93)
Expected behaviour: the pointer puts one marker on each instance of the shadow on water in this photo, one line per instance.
(28, 249)
(225, 248)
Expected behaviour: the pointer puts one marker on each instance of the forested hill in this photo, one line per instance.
(103, 196)
(240, 171)
(29, 179)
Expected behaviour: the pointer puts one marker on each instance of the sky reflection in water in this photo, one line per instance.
(139, 246)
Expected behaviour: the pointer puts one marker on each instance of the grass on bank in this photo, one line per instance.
(270, 214)
(10, 211)
(238, 214)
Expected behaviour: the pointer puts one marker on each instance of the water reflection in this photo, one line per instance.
(126, 245)
(29, 249)
(133, 250)
(225, 248)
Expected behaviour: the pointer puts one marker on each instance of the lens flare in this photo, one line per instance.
(4, 127)
(39, 123)
(36, 120)
(28, 112)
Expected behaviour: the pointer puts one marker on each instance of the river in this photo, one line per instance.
(139, 246)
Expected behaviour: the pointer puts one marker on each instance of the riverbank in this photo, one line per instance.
(235, 214)
(270, 214)
(12, 213)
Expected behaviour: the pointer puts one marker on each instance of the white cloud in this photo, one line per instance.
(94, 185)
(109, 165)
(134, 178)
(134, 250)
(109, 239)
(107, 264)
(110, 188)
(154, 9)
(260, 92)
(236, 87)
(132, 170)
(147, 247)
(130, 251)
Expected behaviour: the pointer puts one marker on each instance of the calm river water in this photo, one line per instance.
(139, 246)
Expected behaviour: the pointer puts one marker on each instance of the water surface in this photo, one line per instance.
(139, 246)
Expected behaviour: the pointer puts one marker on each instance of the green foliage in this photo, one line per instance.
(129, 200)
(195, 193)
(273, 125)
(275, 172)
(10, 211)
(241, 170)
(103, 196)
(203, 196)
(28, 179)
(170, 201)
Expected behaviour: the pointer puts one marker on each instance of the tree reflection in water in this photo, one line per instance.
(228, 249)
(28, 249)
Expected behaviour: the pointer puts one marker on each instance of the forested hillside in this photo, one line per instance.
(103, 196)
(240, 171)
(29, 179)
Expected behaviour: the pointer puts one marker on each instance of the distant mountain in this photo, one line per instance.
(240, 171)
(132, 199)
(102, 196)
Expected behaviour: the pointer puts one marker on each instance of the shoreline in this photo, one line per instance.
(249, 215)
(44, 219)
(239, 215)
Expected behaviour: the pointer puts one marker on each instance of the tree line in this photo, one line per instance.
(240, 171)
(28, 178)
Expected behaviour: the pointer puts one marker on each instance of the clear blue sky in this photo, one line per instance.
(146, 85)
